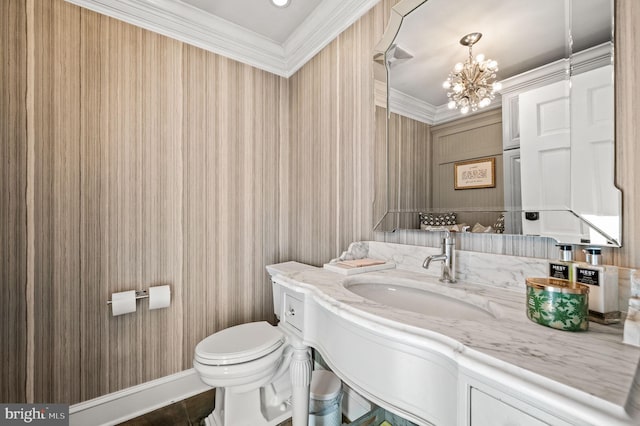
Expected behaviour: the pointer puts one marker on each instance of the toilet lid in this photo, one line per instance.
(241, 343)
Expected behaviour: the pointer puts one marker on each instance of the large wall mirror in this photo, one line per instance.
(499, 118)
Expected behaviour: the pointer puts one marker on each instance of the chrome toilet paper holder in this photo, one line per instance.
(140, 294)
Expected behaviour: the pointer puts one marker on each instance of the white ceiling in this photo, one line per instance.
(278, 40)
(519, 34)
(260, 16)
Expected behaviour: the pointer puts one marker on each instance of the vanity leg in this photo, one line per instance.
(300, 370)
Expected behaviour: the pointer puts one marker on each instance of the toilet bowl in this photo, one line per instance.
(248, 364)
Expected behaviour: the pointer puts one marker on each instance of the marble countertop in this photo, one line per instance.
(592, 367)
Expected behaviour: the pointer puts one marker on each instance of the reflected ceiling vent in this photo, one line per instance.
(397, 55)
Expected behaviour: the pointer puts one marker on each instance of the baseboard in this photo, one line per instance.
(135, 401)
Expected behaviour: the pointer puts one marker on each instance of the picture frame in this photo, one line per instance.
(475, 174)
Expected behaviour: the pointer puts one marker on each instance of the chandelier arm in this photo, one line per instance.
(471, 85)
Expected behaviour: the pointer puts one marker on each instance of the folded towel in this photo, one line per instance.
(359, 263)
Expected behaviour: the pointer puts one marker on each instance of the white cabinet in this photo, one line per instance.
(545, 154)
(510, 121)
(489, 411)
(485, 402)
(293, 312)
(512, 191)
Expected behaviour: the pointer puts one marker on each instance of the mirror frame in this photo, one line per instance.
(398, 14)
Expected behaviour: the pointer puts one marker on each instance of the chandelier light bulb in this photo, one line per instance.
(471, 85)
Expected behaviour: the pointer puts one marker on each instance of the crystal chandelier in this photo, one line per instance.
(472, 85)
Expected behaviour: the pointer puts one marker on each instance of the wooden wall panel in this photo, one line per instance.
(356, 117)
(627, 40)
(155, 163)
(409, 152)
(57, 201)
(469, 138)
(380, 170)
(131, 203)
(13, 180)
(230, 144)
(414, 151)
(310, 180)
(327, 180)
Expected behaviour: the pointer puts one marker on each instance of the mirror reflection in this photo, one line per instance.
(500, 118)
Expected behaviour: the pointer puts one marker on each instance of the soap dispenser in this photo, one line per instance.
(562, 268)
(603, 286)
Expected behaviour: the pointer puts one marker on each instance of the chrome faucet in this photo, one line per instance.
(447, 257)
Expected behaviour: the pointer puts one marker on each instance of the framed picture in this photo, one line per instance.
(475, 174)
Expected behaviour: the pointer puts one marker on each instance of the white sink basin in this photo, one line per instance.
(411, 297)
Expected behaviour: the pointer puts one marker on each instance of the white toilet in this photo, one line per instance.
(249, 366)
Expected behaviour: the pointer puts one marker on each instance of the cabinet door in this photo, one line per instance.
(592, 150)
(545, 148)
(512, 194)
(489, 411)
(510, 122)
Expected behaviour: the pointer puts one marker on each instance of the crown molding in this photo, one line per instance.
(541, 76)
(402, 104)
(444, 114)
(592, 58)
(188, 24)
(193, 26)
(320, 28)
(411, 107)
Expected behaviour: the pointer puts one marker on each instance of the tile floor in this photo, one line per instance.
(189, 412)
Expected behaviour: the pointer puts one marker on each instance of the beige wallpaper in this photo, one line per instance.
(627, 40)
(13, 206)
(469, 138)
(410, 158)
(328, 161)
(153, 162)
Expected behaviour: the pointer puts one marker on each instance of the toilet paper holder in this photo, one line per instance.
(140, 294)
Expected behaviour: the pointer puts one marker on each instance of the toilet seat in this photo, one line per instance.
(239, 344)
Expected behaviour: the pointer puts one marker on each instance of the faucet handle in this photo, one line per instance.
(441, 229)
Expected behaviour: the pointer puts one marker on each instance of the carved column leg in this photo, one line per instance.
(300, 371)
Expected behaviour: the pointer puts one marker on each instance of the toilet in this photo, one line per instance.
(248, 364)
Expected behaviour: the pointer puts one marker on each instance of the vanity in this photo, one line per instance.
(457, 354)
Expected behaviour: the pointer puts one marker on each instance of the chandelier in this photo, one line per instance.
(472, 85)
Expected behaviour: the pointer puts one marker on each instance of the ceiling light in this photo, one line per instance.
(281, 3)
(472, 85)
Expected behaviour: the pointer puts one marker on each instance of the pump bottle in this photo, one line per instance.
(562, 268)
(603, 286)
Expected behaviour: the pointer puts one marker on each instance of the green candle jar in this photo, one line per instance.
(557, 303)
